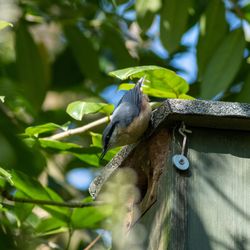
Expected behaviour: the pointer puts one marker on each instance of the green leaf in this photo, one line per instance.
(186, 97)
(126, 86)
(145, 11)
(83, 51)
(40, 129)
(33, 220)
(96, 139)
(4, 24)
(2, 182)
(224, 65)
(33, 67)
(157, 78)
(34, 190)
(213, 29)
(2, 99)
(246, 11)
(29, 186)
(46, 143)
(90, 159)
(90, 217)
(150, 91)
(111, 153)
(14, 154)
(79, 108)
(87, 155)
(51, 225)
(114, 41)
(244, 95)
(22, 210)
(174, 17)
(91, 156)
(6, 175)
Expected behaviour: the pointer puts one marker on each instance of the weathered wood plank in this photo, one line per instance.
(209, 210)
(219, 190)
(166, 221)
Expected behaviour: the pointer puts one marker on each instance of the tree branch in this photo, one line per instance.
(92, 243)
(79, 130)
(87, 127)
(72, 204)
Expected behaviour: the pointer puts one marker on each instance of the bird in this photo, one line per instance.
(129, 120)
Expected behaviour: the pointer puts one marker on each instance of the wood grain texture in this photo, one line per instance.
(147, 162)
(166, 221)
(219, 190)
(208, 210)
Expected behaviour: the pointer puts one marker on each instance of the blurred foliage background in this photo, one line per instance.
(56, 52)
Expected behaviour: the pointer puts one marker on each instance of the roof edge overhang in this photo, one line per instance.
(199, 113)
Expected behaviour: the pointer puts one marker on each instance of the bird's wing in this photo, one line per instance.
(133, 96)
(125, 113)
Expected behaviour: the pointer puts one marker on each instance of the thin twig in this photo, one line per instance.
(82, 129)
(79, 130)
(69, 238)
(72, 204)
(92, 243)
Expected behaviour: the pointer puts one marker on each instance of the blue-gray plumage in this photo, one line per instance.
(129, 120)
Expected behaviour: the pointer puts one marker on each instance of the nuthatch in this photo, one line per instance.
(129, 120)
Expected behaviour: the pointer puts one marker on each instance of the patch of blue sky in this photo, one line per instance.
(190, 38)
(111, 94)
(129, 15)
(154, 30)
(122, 10)
(186, 61)
(218, 96)
(158, 49)
(106, 236)
(233, 20)
(229, 4)
(80, 178)
(154, 33)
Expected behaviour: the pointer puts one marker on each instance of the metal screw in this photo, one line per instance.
(181, 161)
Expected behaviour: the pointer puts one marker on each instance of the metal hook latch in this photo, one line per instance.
(180, 161)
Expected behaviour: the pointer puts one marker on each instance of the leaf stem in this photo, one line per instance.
(69, 238)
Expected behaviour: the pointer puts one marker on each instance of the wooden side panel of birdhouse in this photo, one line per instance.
(219, 190)
(209, 209)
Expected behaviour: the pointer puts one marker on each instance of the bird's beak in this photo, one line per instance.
(104, 151)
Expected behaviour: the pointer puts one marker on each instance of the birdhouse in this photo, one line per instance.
(193, 175)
